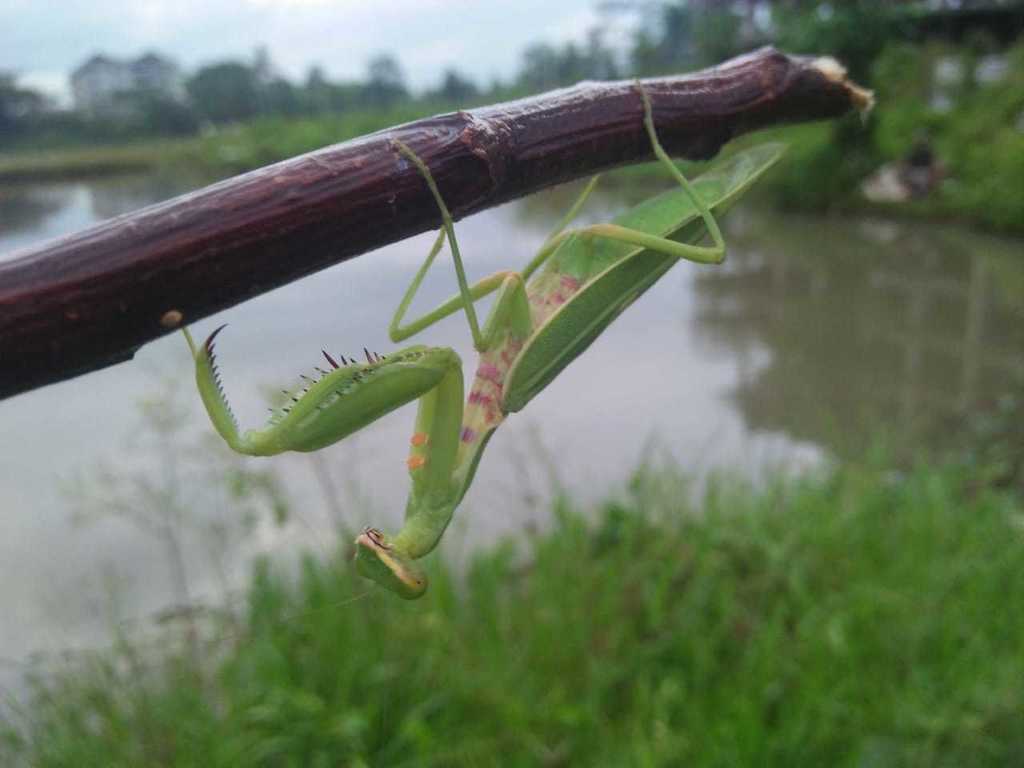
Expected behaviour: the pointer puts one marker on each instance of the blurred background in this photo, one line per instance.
(773, 516)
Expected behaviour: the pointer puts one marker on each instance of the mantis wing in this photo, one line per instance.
(624, 271)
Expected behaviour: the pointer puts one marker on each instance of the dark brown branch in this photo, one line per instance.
(91, 299)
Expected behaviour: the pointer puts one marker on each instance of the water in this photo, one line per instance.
(813, 334)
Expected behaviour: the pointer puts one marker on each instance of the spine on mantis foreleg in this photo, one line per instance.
(211, 392)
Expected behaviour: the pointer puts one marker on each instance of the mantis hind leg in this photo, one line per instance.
(662, 155)
(702, 254)
(578, 320)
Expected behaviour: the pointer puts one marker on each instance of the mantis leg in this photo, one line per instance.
(511, 313)
(509, 326)
(477, 291)
(448, 227)
(574, 210)
(714, 254)
(558, 234)
(432, 460)
(340, 402)
(468, 295)
(578, 322)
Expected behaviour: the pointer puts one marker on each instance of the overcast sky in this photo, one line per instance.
(43, 40)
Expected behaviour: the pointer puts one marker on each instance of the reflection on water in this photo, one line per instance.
(30, 213)
(813, 332)
(27, 208)
(868, 325)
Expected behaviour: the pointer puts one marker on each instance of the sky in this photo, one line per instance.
(43, 40)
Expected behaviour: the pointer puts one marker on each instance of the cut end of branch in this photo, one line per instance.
(863, 99)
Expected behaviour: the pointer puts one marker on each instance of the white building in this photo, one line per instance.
(97, 85)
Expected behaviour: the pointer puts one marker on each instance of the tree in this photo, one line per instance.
(158, 114)
(545, 66)
(455, 88)
(855, 33)
(385, 82)
(541, 67)
(16, 104)
(601, 64)
(664, 42)
(280, 97)
(317, 96)
(225, 92)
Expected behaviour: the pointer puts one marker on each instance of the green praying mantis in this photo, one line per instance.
(541, 319)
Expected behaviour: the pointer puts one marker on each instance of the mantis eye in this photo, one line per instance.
(378, 538)
(377, 559)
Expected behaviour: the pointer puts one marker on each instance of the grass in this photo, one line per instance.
(854, 617)
(271, 139)
(229, 150)
(79, 162)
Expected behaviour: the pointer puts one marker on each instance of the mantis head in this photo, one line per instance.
(377, 559)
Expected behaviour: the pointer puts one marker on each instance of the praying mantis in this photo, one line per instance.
(541, 319)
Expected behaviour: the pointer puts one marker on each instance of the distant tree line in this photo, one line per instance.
(667, 37)
(219, 93)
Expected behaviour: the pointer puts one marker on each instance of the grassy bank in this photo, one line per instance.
(229, 150)
(851, 618)
(86, 162)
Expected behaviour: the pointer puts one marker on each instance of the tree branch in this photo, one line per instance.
(91, 299)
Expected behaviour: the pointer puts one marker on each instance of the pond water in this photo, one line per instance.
(816, 333)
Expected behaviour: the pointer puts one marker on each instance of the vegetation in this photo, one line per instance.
(978, 140)
(856, 616)
(93, 161)
(267, 140)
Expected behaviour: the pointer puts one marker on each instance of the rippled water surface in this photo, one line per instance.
(814, 333)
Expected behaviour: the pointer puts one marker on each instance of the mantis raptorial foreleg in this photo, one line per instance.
(542, 319)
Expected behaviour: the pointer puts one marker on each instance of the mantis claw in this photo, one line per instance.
(209, 339)
(211, 390)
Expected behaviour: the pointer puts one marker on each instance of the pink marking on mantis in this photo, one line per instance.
(570, 284)
(489, 372)
(479, 398)
(468, 435)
